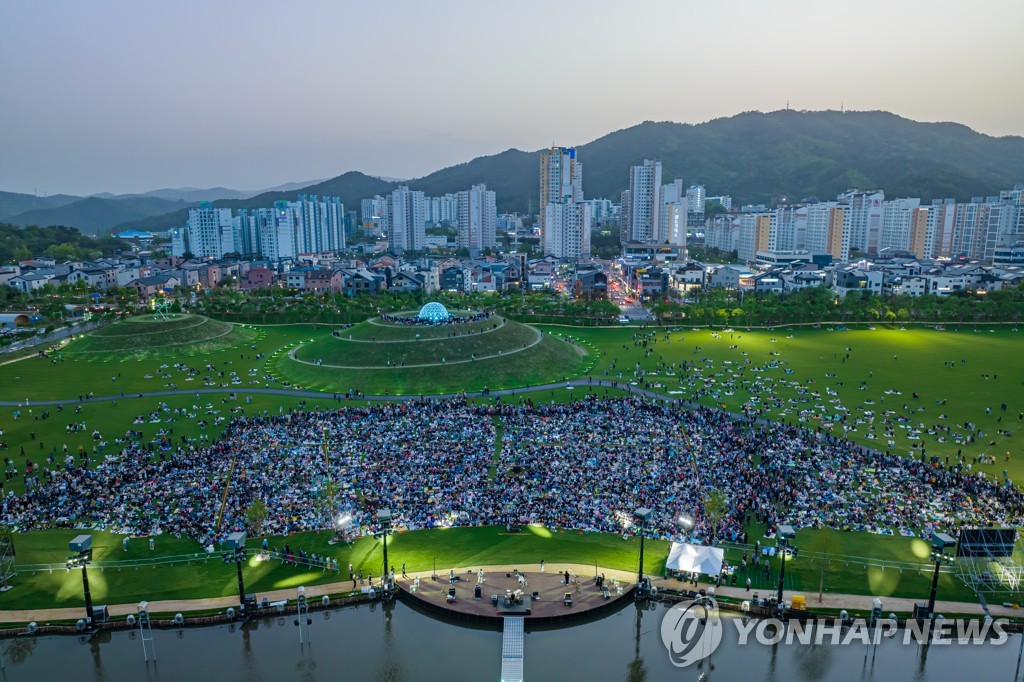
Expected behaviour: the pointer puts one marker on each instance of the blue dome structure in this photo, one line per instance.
(434, 313)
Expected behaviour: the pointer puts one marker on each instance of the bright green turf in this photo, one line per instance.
(419, 551)
(406, 348)
(377, 330)
(550, 360)
(39, 379)
(146, 337)
(886, 359)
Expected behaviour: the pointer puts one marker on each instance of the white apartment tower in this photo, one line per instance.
(320, 224)
(675, 212)
(645, 202)
(791, 227)
(757, 233)
(695, 197)
(408, 215)
(442, 210)
(941, 223)
(210, 231)
(864, 213)
(561, 180)
(826, 232)
(897, 224)
(275, 231)
(477, 219)
(567, 229)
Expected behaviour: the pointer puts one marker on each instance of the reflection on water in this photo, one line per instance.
(395, 643)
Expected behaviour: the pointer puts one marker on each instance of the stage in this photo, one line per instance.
(501, 585)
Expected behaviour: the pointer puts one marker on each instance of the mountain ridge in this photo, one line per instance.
(754, 157)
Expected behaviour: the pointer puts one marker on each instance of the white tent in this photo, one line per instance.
(687, 558)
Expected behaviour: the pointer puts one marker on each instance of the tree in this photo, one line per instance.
(716, 507)
(823, 551)
(255, 515)
(325, 502)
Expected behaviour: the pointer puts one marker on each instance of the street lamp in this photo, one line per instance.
(940, 541)
(81, 545)
(641, 516)
(784, 534)
(235, 544)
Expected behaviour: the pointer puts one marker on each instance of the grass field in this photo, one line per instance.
(407, 349)
(548, 361)
(207, 576)
(375, 329)
(879, 373)
(146, 337)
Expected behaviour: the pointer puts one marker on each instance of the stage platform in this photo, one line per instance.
(547, 607)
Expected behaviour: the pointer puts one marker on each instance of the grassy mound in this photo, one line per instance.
(508, 356)
(377, 330)
(146, 337)
(373, 346)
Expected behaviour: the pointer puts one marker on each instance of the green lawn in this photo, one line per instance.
(890, 364)
(331, 350)
(207, 576)
(885, 368)
(376, 330)
(145, 338)
(550, 360)
(40, 379)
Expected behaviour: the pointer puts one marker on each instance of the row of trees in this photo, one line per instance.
(277, 305)
(818, 304)
(56, 241)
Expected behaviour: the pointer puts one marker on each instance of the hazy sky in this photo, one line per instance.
(132, 95)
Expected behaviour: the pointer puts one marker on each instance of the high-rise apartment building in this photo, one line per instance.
(374, 214)
(898, 217)
(275, 231)
(567, 229)
(826, 233)
(477, 219)
(210, 232)
(918, 243)
(864, 215)
(407, 213)
(756, 234)
(320, 224)
(442, 210)
(941, 224)
(722, 233)
(561, 180)
(675, 214)
(790, 227)
(645, 202)
(695, 197)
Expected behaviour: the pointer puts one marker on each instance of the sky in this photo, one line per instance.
(127, 96)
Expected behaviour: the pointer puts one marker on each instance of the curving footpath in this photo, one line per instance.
(324, 395)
